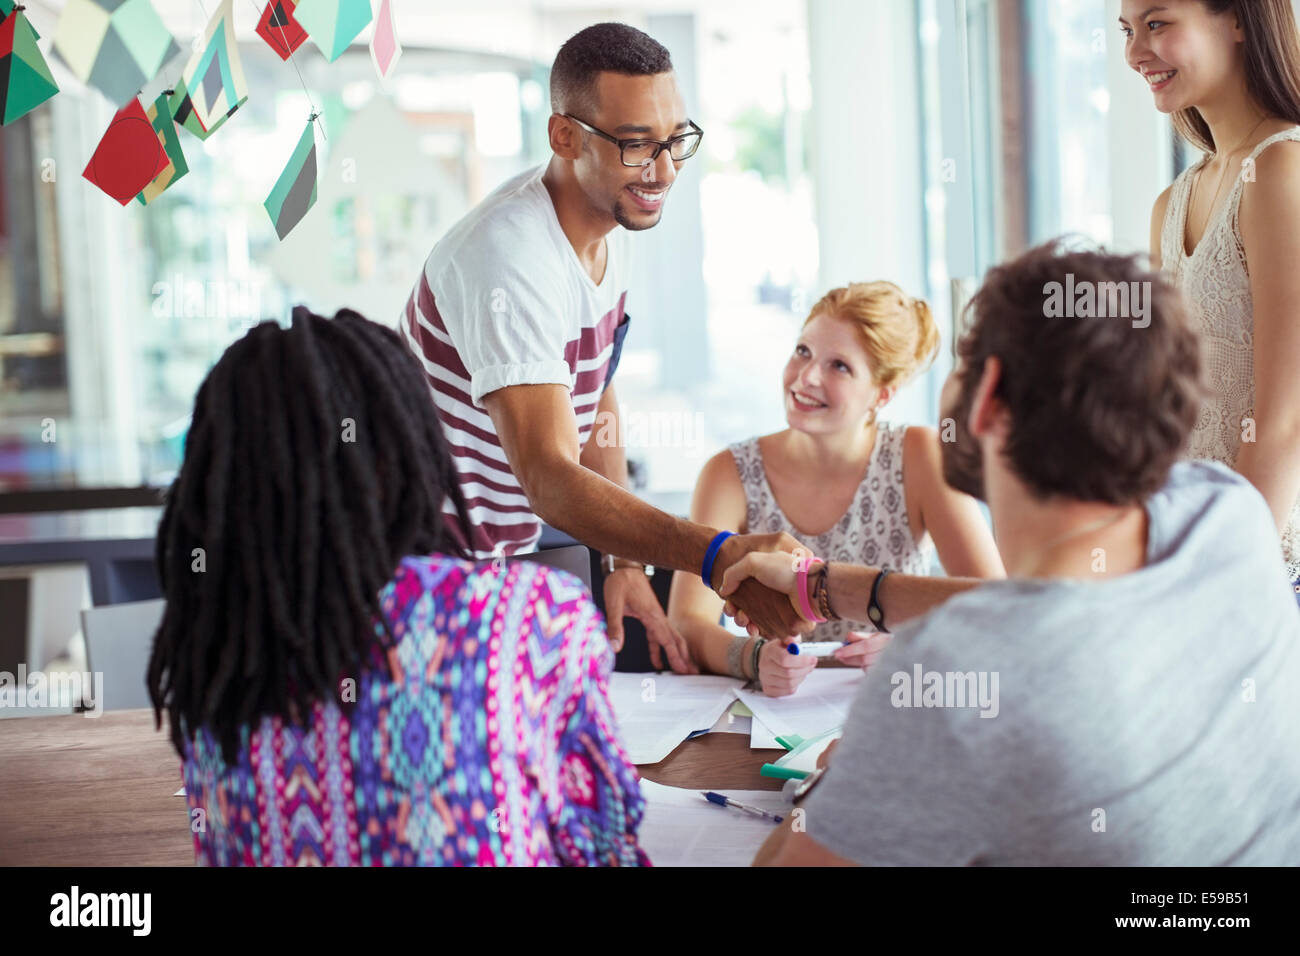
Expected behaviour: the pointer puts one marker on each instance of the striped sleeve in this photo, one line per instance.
(506, 323)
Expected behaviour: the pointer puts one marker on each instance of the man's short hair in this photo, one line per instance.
(1101, 371)
(602, 47)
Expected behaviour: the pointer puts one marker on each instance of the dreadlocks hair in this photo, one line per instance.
(314, 463)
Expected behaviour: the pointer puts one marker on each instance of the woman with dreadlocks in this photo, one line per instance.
(342, 685)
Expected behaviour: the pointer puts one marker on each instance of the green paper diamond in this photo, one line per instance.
(27, 82)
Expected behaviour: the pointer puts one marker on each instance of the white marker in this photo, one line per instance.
(815, 648)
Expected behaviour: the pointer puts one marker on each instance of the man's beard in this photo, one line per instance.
(963, 461)
(621, 217)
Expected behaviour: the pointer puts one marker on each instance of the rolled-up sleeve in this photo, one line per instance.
(507, 322)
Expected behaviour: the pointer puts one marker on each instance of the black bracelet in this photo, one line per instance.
(873, 607)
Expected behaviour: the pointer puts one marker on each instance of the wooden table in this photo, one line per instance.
(81, 791)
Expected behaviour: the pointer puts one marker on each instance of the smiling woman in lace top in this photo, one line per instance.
(1228, 230)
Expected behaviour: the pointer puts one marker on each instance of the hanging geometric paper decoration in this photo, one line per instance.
(116, 46)
(385, 48)
(7, 7)
(25, 80)
(332, 24)
(212, 84)
(295, 190)
(279, 29)
(129, 156)
(159, 115)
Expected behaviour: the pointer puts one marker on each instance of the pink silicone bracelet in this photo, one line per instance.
(805, 607)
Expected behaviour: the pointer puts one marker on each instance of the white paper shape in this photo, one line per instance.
(656, 712)
(681, 828)
(820, 704)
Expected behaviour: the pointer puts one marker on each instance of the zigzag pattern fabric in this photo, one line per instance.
(481, 734)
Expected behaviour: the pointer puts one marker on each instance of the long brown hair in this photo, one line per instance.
(1272, 65)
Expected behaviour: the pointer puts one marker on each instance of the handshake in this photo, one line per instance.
(758, 574)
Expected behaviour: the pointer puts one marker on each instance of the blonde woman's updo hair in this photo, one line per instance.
(898, 331)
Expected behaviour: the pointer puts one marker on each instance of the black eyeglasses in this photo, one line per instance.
(643, 152)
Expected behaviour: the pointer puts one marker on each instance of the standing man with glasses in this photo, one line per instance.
(518, 319)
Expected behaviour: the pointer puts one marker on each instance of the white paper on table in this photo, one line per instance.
(761, 737)
(681, 828)
(820, 704)
(656, 712)
(179, 793)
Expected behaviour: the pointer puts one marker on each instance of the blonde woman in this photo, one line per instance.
(1227, 232)
(846, 485)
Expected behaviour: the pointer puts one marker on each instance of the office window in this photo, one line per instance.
(1067, 99)
(110, 317)
(958, 47)
(716, 306)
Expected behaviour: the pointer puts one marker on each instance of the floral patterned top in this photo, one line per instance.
(481, 733)
(875, 529)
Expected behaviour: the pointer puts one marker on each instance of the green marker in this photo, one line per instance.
(781, 773)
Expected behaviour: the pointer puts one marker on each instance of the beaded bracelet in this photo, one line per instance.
(822, 595)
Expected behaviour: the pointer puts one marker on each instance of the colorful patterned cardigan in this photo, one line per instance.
(482, 736)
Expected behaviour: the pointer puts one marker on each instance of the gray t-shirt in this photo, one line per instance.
(1149, 719)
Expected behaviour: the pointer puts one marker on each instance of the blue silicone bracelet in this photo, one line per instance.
(706, 572)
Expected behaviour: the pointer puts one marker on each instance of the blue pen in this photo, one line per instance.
(815, 648)
(725, 801)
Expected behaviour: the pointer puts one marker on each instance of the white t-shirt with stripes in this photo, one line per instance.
(502, 301)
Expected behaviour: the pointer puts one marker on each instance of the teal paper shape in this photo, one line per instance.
(295, 191)
(333, 24)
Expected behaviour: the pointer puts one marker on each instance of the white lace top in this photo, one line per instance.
(1215, 281)
(874, 531)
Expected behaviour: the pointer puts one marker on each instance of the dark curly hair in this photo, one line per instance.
(1101, 407)
(314, 463)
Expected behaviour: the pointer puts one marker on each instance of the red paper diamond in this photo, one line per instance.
(129, 156)
(279, 29)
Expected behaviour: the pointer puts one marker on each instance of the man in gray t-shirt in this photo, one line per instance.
(1128, 696)
(1148, 719)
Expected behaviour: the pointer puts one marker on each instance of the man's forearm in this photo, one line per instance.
(603, 456)
(576, 500)
(599, 513)
(771, 847)
(901, 596)
(710, 644)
